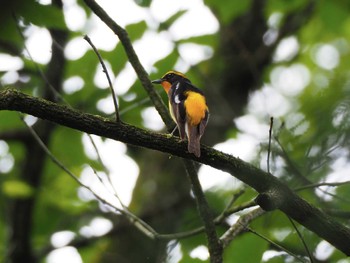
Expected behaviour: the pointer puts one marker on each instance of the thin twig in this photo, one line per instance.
(114, 193)
(269, 147)
(132, 218)
(218, 220)
(295, 170)
(99, 159)
(240, 207)
(117, 117)
(136, 221)
(334, 184)
(47, 151)
(276, 245)
(134, 60)
(106, 170)
(234, 198)
(302, 240)
(242, 224)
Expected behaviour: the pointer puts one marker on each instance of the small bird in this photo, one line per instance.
(187, 106)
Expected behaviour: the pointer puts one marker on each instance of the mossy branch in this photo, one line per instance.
(272, 192)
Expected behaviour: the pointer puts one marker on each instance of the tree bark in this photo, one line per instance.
(274, 194)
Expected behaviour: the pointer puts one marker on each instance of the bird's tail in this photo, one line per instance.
(194, 136)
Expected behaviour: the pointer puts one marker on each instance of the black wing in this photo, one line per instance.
(177, 98)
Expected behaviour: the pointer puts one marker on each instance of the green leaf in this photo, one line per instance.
(188, 259)
(10, 120)
(209, 40)
(67, 145)
(216, 200)
(85, 68)
(246, 248)
(42, 15)
(143, 3)
(284, 6)
(82, 4)
(333, 14)
(135, 31)
(168, 23)
(165, 65)
(277, 259)
(8, 28)
(9, 33)
(17, 189)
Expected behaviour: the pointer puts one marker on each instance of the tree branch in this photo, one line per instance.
(116, 108)
(134, 60)
(240, 226)
(275, 194)
(214, 245)
(215, 248)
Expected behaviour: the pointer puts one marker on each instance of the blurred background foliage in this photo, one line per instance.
(268, 58)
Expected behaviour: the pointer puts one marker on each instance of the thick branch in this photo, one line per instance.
(290, 203)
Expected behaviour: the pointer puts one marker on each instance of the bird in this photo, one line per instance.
(187, 106)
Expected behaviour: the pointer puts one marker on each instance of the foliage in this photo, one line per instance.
(309, 143)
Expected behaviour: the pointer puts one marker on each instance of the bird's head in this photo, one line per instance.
(170, 78)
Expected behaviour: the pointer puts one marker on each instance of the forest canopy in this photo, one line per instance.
(90, 171)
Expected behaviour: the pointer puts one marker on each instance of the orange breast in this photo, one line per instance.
(196, 107)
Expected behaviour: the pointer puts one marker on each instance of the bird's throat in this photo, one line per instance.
(166, 85)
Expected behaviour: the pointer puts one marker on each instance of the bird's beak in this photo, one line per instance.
(157, 81)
